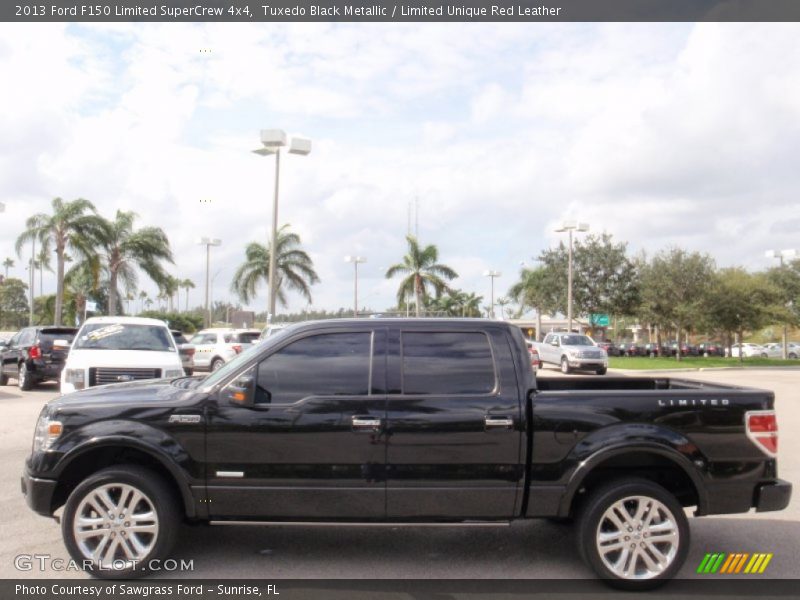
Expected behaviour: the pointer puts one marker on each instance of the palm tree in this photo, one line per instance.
(422, 272)
(187, 284)
(142, 298)
(533, 290)
(81, 281)
(68, 226)
(124, 249)
(471, 305)
(8, 263)
(42, 262)
(293, 267)
(169, 287)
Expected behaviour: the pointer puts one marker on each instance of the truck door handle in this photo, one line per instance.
(499, 422)
(366, 425)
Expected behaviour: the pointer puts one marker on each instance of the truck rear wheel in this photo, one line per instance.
(118, 520)
(634, 534)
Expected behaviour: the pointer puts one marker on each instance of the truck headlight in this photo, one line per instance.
(47, 432)
(171, 373)
(74, 376)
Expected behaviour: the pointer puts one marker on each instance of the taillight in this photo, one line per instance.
(34, 352)
(237, 348)
(762, 428)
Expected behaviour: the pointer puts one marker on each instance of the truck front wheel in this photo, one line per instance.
(634, 534)
(565, 365)
(119, 520)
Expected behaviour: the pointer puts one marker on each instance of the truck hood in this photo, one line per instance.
(84, 359)
(160, 391)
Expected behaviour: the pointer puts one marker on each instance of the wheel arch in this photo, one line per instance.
(654, 462)
(119, 451)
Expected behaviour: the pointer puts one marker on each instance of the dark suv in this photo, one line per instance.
(31, 356)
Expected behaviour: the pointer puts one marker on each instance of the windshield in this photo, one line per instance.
(119, 336)
(231, 367)
(576, 340)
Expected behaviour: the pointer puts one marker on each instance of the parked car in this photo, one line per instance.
(34, 355)
(748, 350)
(120, 349)
(775, 350)
(687, 349)
(214, 347)
(536, 361)
(610, 347)
(654, 349)
(246, 337)
(271, 330)
(711, 349)
(573, 351)
(327, 423)
(633, 349)
(185, 350)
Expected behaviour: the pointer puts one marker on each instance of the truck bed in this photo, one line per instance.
(606, 384)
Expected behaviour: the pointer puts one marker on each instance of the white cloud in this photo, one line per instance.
(658, 133)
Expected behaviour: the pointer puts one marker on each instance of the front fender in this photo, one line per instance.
(156, 443)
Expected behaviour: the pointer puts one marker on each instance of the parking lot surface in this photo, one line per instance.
(531, 549)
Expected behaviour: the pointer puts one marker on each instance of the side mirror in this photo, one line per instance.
(241, 391)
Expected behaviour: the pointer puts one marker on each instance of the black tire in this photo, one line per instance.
(764, 355)
(162, 502)
(792, 355)
(189, 372)
(565, 369)
(216, 364)
(670, 516)
(601, 371)
(24, 379)
(3, 379)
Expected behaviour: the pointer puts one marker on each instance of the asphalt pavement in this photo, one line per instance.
(522, 550)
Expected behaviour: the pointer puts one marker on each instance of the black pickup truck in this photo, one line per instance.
(402, 420)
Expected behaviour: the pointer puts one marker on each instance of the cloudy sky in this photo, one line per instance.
(661, 134)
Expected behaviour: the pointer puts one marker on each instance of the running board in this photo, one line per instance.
(367, 524)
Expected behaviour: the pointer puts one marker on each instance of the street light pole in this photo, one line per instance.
(355, 260)
(492, 275)
(570, 226)
(273, 140)
(780, 255)
(208, 242)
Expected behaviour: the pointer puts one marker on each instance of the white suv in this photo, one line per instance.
(214, 347)
(119, 349)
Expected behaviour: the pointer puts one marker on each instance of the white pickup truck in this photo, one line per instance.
(573, 351)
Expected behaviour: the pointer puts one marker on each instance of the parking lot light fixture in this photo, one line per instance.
(273, 140)
(356, 260)
(780, 255)
(570, 226)
(492, 274)
(208, 242)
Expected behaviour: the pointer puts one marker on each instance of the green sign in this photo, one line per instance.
(600, 320)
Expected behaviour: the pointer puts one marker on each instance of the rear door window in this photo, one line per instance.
(447, 363)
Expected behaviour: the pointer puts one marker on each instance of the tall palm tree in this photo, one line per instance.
(533, 290)
(8, 263)
(81, 281)
(74, 224)
(421, 273)
(187, 284)
(294, 268)
(124, 249)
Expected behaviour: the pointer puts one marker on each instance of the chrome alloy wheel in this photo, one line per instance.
(637, 538)
(115, 526)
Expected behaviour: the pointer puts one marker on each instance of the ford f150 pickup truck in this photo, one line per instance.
(402, 420)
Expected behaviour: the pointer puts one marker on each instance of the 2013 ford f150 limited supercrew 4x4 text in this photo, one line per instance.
(402, 420)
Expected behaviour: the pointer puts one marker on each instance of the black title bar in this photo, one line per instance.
(398, 10)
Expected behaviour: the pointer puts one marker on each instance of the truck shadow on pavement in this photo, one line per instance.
(525, 550)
